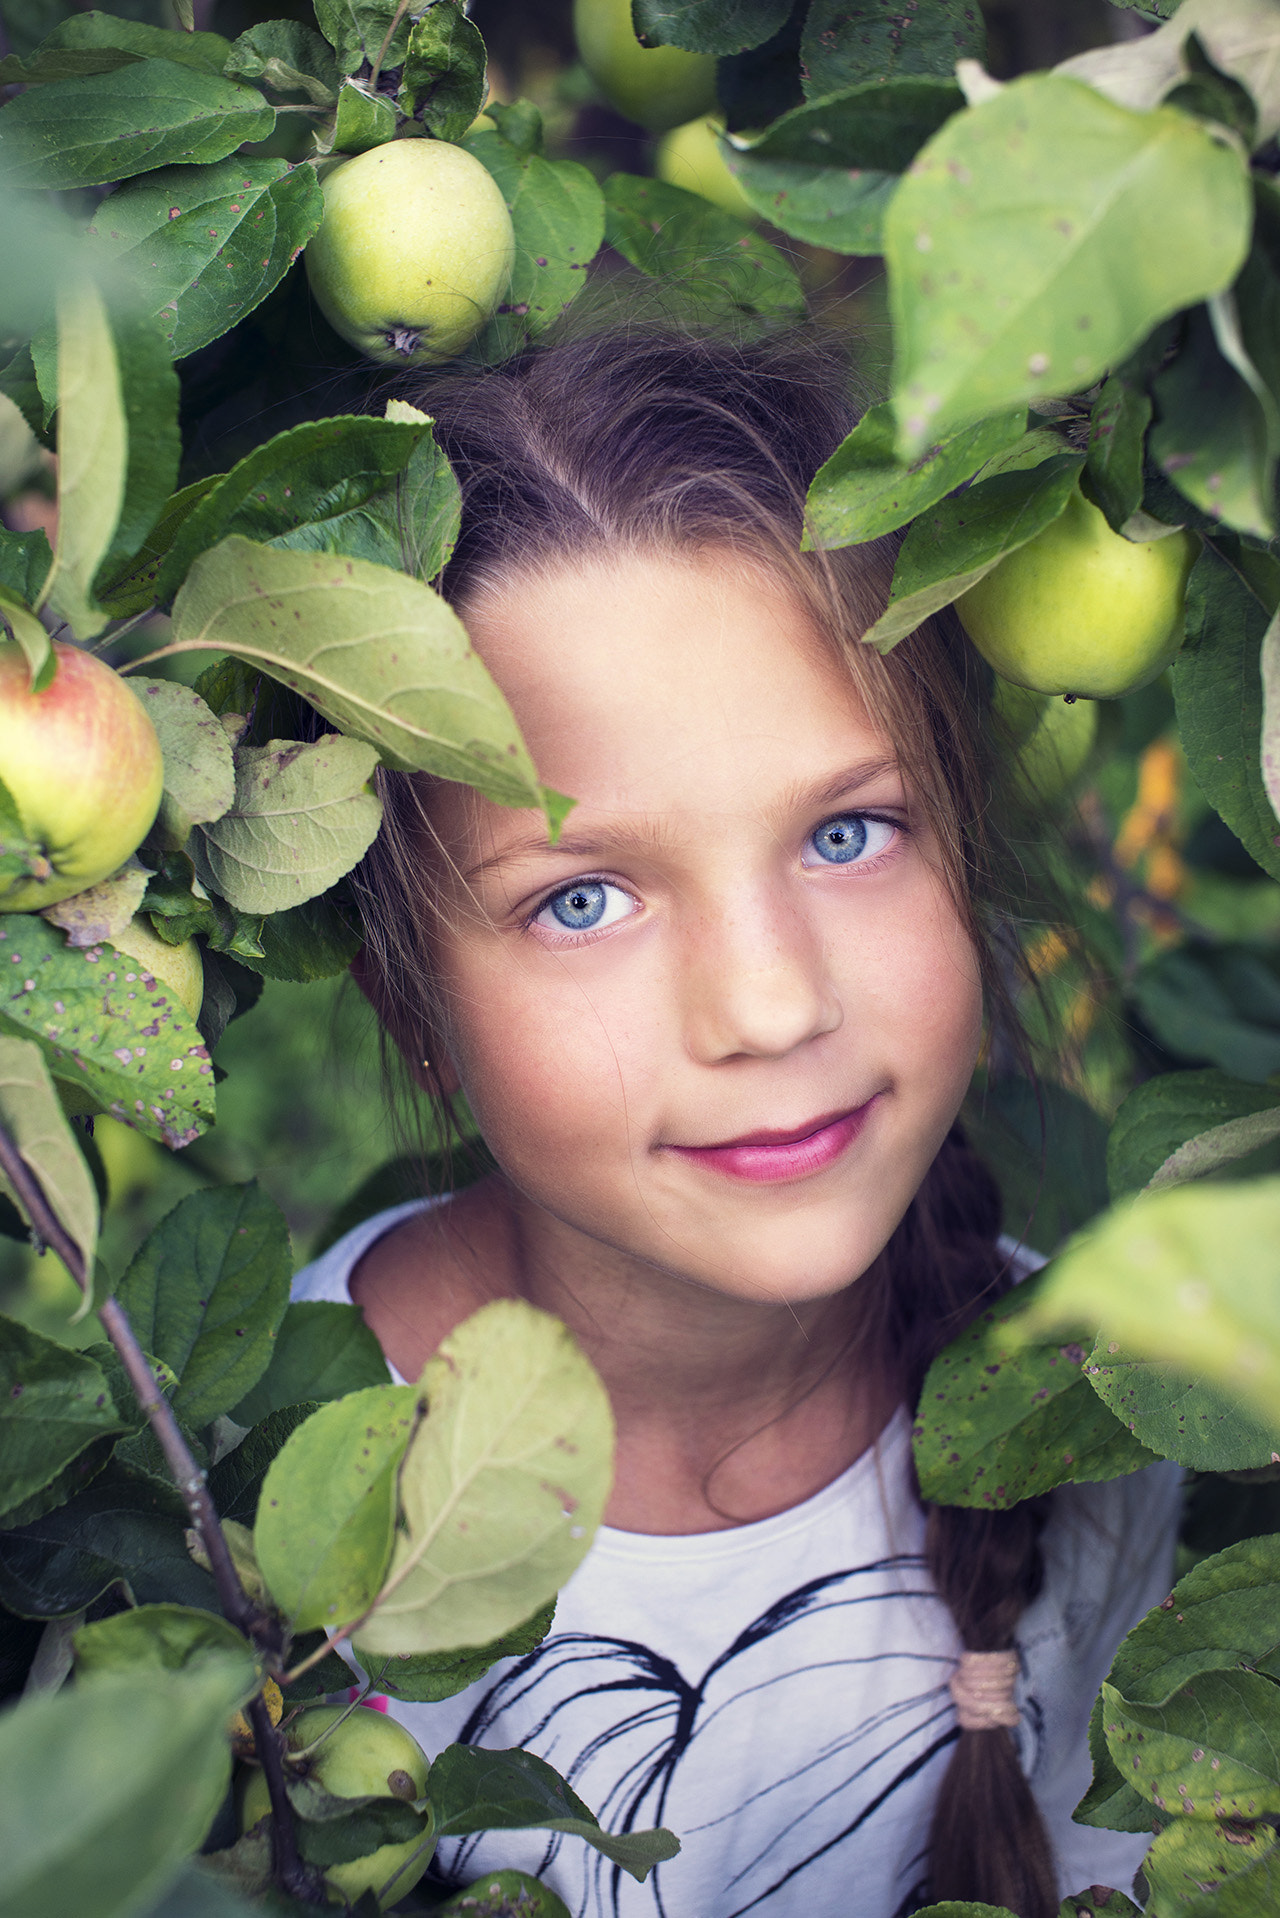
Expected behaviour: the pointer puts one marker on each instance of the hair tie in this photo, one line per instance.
(982, 1690)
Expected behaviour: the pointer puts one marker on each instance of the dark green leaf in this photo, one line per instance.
(431, 1676)
(322, 1350)
(1211, 436)
(763, 83)
(1215, 1005)
(109, 1786)
(1047, 1148)
(846, 41)
(1113, 468)
(862, 492)
(959, 541)
(498, 1894)
(196, 1893)
(235, 1482)
(110, 126)
(444, 82)
(54, 1404)
(999, 1422)
(287, 56)
(1111, 1803)
(333, 1830)
(177, 914)
(206, 52)
(558, 217)
(1218, 691)
(1189, 1125)
(41, 67)
(123, 1527)
(310, 473)
(132, 588)
(1224, 1615)
(173, 1638)
(712, 256)
(206, 1293)
(357, 30)
(315, 941)
(1257, 291)
(428, 510)
(25, 559)
(474, 1790)
(206, 244)
(708, 26)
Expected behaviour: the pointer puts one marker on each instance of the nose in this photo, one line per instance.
(756, 981)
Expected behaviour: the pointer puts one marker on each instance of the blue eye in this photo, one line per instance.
(585, 906)
(843, 840)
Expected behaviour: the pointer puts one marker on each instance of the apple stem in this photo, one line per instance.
(291, 1872)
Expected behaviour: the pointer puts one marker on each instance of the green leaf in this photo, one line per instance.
(1198, 1868)
(315, 941)
(93, 452)
(862, 492)
(1214, 1004)
(362, 120)
(1212, 437)
(331, 1831)
(1117, 431)
(107, 1788)
(312, 472)
(1000, 1421)
(444, 82)
(178, 913)
(199, 773)
(54, 1404)
(1221, 1615)
(1188, 1125)
(427, 506)
(132, 588)
(22, 624)
(1181, 1276)
(826, 171)
(876, 40)
(379, 655)
(149, 395)
(134, 1051)
(1047, 1149)
(235, 1482)
(502, 1487)
(32, 1113)
(322, 1351)
(25, 559)
(172, 1638)
(206, 244)
(1001, 242)
(328, 1507)
(110, 126)
(1212, 1750)
(206, 1291)
(41, 67)
(474, 1790)
(715, 257)
(499, 1893)
(197, 1893)
(288, 57)
(302, 817)
(121, 1527)
(708, 26)
(357, 29)
(430, 1676)
(1099, 1899)
(958, 1908)
(958, 542)
(1111, 1803)
(558, 217)
(1218, 694)
(206, 52)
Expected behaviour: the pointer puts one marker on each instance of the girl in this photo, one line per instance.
(716, 1040)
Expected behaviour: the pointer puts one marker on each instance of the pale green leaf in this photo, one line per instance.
(1198, 1868)
(1212, 1750)
(93, 455)
(380, 655)
(99, 912)
(32, 1113)
(1241, 38)
(1219, 1146)
(199, 773)
(361, 120)
(1039, 237)
(172, 1638)
(36, 645)
(1187, 1125)
(327, 1511)
(1270, 666)
(501, 1489)
(431, 1676)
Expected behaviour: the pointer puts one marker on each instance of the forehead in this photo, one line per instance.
(657, 682)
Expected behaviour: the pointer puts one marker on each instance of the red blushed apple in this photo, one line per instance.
(82, 764)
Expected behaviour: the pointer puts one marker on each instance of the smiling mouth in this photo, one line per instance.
(770, 1157)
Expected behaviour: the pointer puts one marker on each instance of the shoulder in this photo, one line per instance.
(329, 1276)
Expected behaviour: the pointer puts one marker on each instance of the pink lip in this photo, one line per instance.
(765, 1158)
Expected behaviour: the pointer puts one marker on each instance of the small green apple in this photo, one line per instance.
(178, 967)
(83, 765)
(690, 156)
(1080, 609)
(414, 252)
(369, 1754)
(657, 87)
(1052, 738)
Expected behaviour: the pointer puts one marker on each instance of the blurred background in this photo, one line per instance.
(1152, 875)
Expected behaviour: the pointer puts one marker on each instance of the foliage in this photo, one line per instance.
(1083, 286)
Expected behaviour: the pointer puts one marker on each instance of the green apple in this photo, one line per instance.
(1052, 738)
(414, 252)
(368, 1754)
(690, 156)
(657, 87)
(178, 967)
(1080, 609)
(82, 763)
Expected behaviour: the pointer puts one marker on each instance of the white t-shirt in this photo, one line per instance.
(777, 1693)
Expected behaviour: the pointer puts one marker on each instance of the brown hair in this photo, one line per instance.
(628, 442)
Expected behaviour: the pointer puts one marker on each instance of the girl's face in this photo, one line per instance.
(719, 1031)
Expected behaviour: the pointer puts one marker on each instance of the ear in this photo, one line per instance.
(435, 1072)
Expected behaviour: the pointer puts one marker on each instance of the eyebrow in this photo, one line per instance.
(642, 836)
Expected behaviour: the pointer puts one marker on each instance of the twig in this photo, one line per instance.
(289, 1868)
(396, 18)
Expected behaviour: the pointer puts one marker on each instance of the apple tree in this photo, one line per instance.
(1083, 412)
